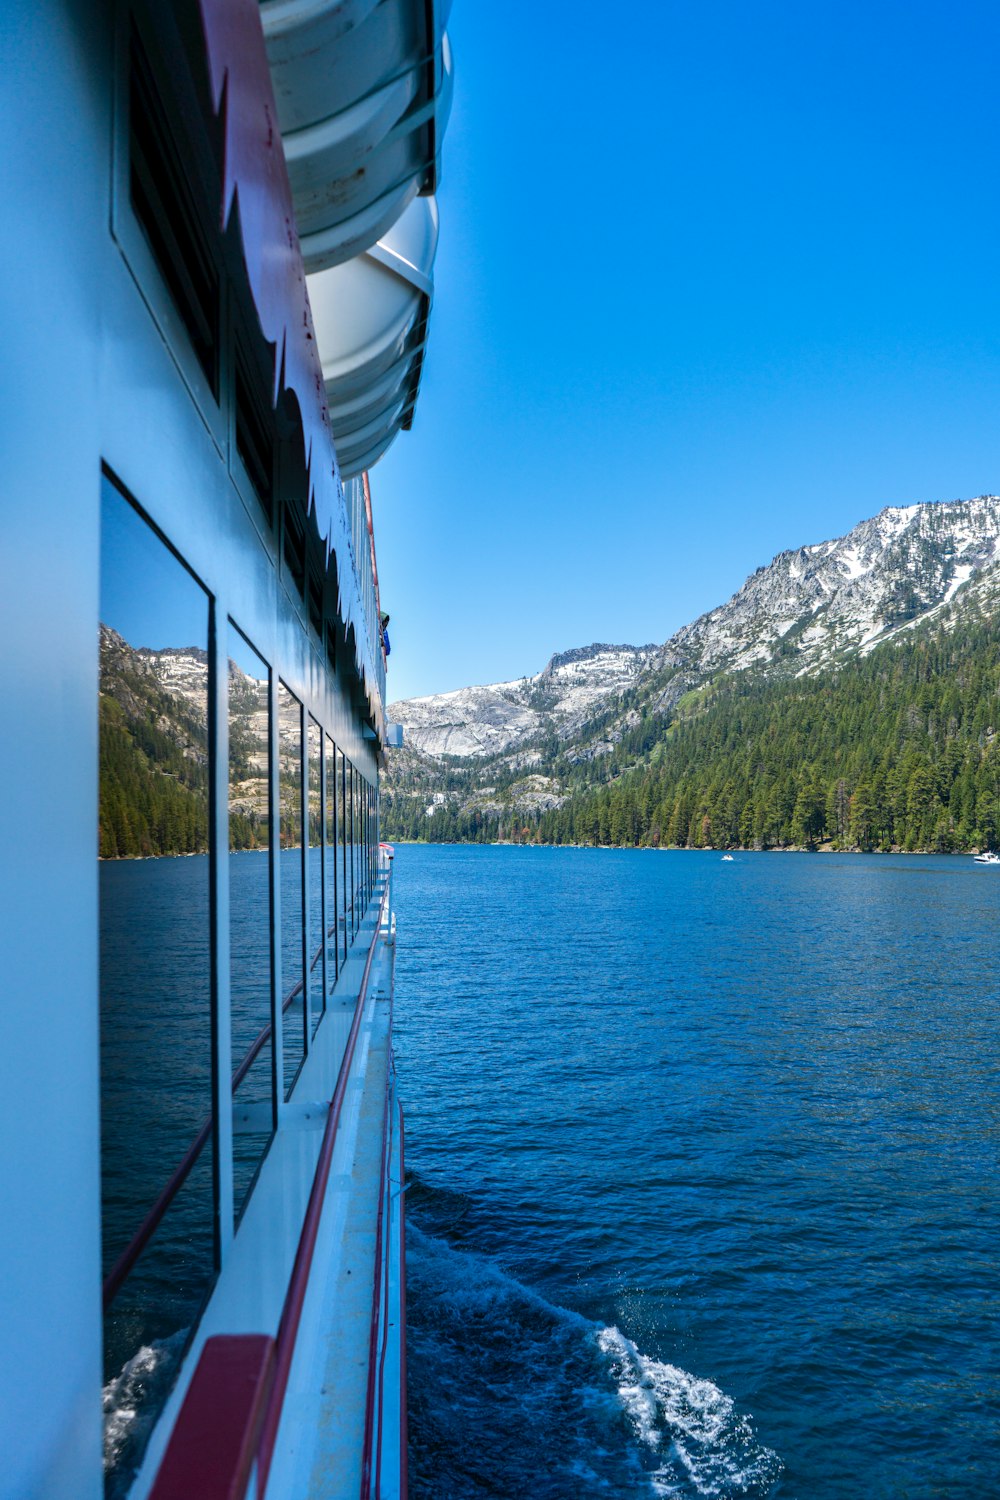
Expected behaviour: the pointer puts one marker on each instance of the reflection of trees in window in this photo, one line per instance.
(290, 767)
(155, 991)
(293, 956)
(317, 960)
(249, 910)
(332, 858)
(342, 834)
(249, 748)
(154, 748)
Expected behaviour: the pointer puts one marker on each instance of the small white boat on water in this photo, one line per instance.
(728, 859)
(988, 857)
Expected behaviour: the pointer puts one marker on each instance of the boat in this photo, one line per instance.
(988, 857)
(727, 859)
(217, 253)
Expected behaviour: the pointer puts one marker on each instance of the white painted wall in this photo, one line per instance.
(53, 247)
(86, 375)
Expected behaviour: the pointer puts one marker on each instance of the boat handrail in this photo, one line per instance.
(372, 1447)
(256, 1421)
(123, 1265)
(291, 1313)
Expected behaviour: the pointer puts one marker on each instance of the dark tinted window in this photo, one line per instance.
(292, 883)
(165, 206)
(249, 911)
(332, 866)
(317, 959)
(156, 1029)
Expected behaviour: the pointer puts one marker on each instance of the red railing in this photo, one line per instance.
(261, 1368)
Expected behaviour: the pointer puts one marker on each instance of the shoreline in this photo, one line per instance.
(720, 849)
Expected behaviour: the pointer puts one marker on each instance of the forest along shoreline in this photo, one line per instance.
(897, 751)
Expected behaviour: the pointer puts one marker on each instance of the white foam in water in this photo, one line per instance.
(520, 1396)
(708, 1447)
(125, 1394)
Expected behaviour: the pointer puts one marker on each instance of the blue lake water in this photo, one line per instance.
(704, 1173)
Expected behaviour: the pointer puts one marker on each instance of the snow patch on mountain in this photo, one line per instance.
(479, 721)
(815, 603)
(807, 608)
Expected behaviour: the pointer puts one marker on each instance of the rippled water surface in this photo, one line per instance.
(704, 1162)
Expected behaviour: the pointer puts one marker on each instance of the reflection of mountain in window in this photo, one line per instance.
(249, 912)
(317, 958)
(156, 1035)
(293, 958)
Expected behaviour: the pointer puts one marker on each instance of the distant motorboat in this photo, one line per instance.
(988, 857)
(728, 858)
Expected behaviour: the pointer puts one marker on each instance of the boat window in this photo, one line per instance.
(316, 604)
(363, 874)
(165, 206)
(362, 844)
(356, 847)
(368, 841)
(294, 550)
(317, 948)
(292, 885)
(342, 835)
(255, 435)
(249, 912)
(351, 842)
(372, 839)
(155, 984)
(332, 949)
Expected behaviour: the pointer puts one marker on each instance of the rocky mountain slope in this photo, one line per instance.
(815, 604)
(154, 750)
(484, 720)
(810, 608)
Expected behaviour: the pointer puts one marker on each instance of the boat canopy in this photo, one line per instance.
(363, 91)
(371, 318)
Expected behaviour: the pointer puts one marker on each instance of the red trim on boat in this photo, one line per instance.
(232, 1409)
(372, 1449)
(292, 1311)
(404, 1436)
(213, 1444)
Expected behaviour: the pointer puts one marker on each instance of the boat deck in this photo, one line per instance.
(332, 1412)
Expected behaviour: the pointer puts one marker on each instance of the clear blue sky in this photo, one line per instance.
(715, 279)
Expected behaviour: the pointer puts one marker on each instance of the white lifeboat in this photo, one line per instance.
(363, 90)
(371, 317)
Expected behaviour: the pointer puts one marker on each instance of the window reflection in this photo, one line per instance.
(249, 911)
(342, 836)
(332, 863)
(317, 985)
(351, 836)
(155, 991)
(292, 885)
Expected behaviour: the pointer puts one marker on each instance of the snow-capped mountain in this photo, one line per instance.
(570, 689)
(816, 603)
(802, 611)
